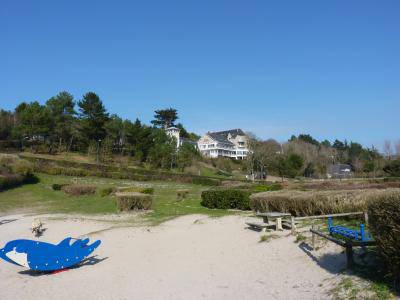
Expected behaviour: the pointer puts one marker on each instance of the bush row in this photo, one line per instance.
(133, 201)
(226, 199)
(306, 203)
(384, 216)
(55, 167)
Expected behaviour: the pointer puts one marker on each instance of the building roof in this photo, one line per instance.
(222, 136)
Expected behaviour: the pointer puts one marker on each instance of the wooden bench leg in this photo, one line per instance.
(279, 224)
(293, 225)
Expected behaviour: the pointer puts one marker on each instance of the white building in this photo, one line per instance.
(230, 143)
(174, 132)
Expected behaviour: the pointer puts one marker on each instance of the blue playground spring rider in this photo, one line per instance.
(40, 256)
(353, 234)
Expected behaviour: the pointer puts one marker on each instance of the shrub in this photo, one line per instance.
(225, 199)
(393, 168)
(306, 203)
(181, 194)
(57, 187)
(133, 201)
(10, 181)
(206, 181)
(107, 191)
(79, 190)
(137, 189)
(384, 216)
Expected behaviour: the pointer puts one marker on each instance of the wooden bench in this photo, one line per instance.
(259, 226)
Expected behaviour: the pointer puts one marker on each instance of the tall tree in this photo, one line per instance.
(165, 117)
(115, 132)
(33, 121)
(93, 117)
(6, 124)
(62, 112)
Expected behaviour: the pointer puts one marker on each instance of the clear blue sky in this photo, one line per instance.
(276, 68)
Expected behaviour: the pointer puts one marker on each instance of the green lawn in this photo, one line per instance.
(41, 198)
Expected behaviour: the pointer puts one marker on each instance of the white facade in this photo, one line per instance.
(230, 143)
(174, 132)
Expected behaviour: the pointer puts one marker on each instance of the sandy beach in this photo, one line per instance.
(192, 257)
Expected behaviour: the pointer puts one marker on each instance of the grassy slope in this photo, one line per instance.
(43, 199)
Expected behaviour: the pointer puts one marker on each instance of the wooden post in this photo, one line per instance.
(313, 237)
(293, 225)
(349, 255)
(278, 224)
(366, 219)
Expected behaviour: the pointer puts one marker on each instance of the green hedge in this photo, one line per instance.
(226, 199)
(206, 181)
(384, 216)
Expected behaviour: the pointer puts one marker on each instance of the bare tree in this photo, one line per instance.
(387, 149)
(397, 148)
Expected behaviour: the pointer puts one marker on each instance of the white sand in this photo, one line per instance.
(181, 259)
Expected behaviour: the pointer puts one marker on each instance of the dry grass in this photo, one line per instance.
(79, 190)
(350, 185)
(133, 201)
(305, 203)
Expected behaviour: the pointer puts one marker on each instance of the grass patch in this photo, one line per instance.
(267, 238)
(300, 238)
(41, 198)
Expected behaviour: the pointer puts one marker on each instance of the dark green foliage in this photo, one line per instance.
(6, 124)
(93, 117)
(165, 117)
(226, 199)
(289, 165)
(384, 216)
(62, 114)
(393, 168)
(162, 154)
(206, 181)
(186, 154)
(57, 187)
(33, 121)
(133, 201)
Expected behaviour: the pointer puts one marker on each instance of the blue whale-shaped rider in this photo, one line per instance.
(41, 256)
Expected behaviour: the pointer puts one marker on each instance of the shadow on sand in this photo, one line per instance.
(367, 265)
(5, 221)
(90, 261)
